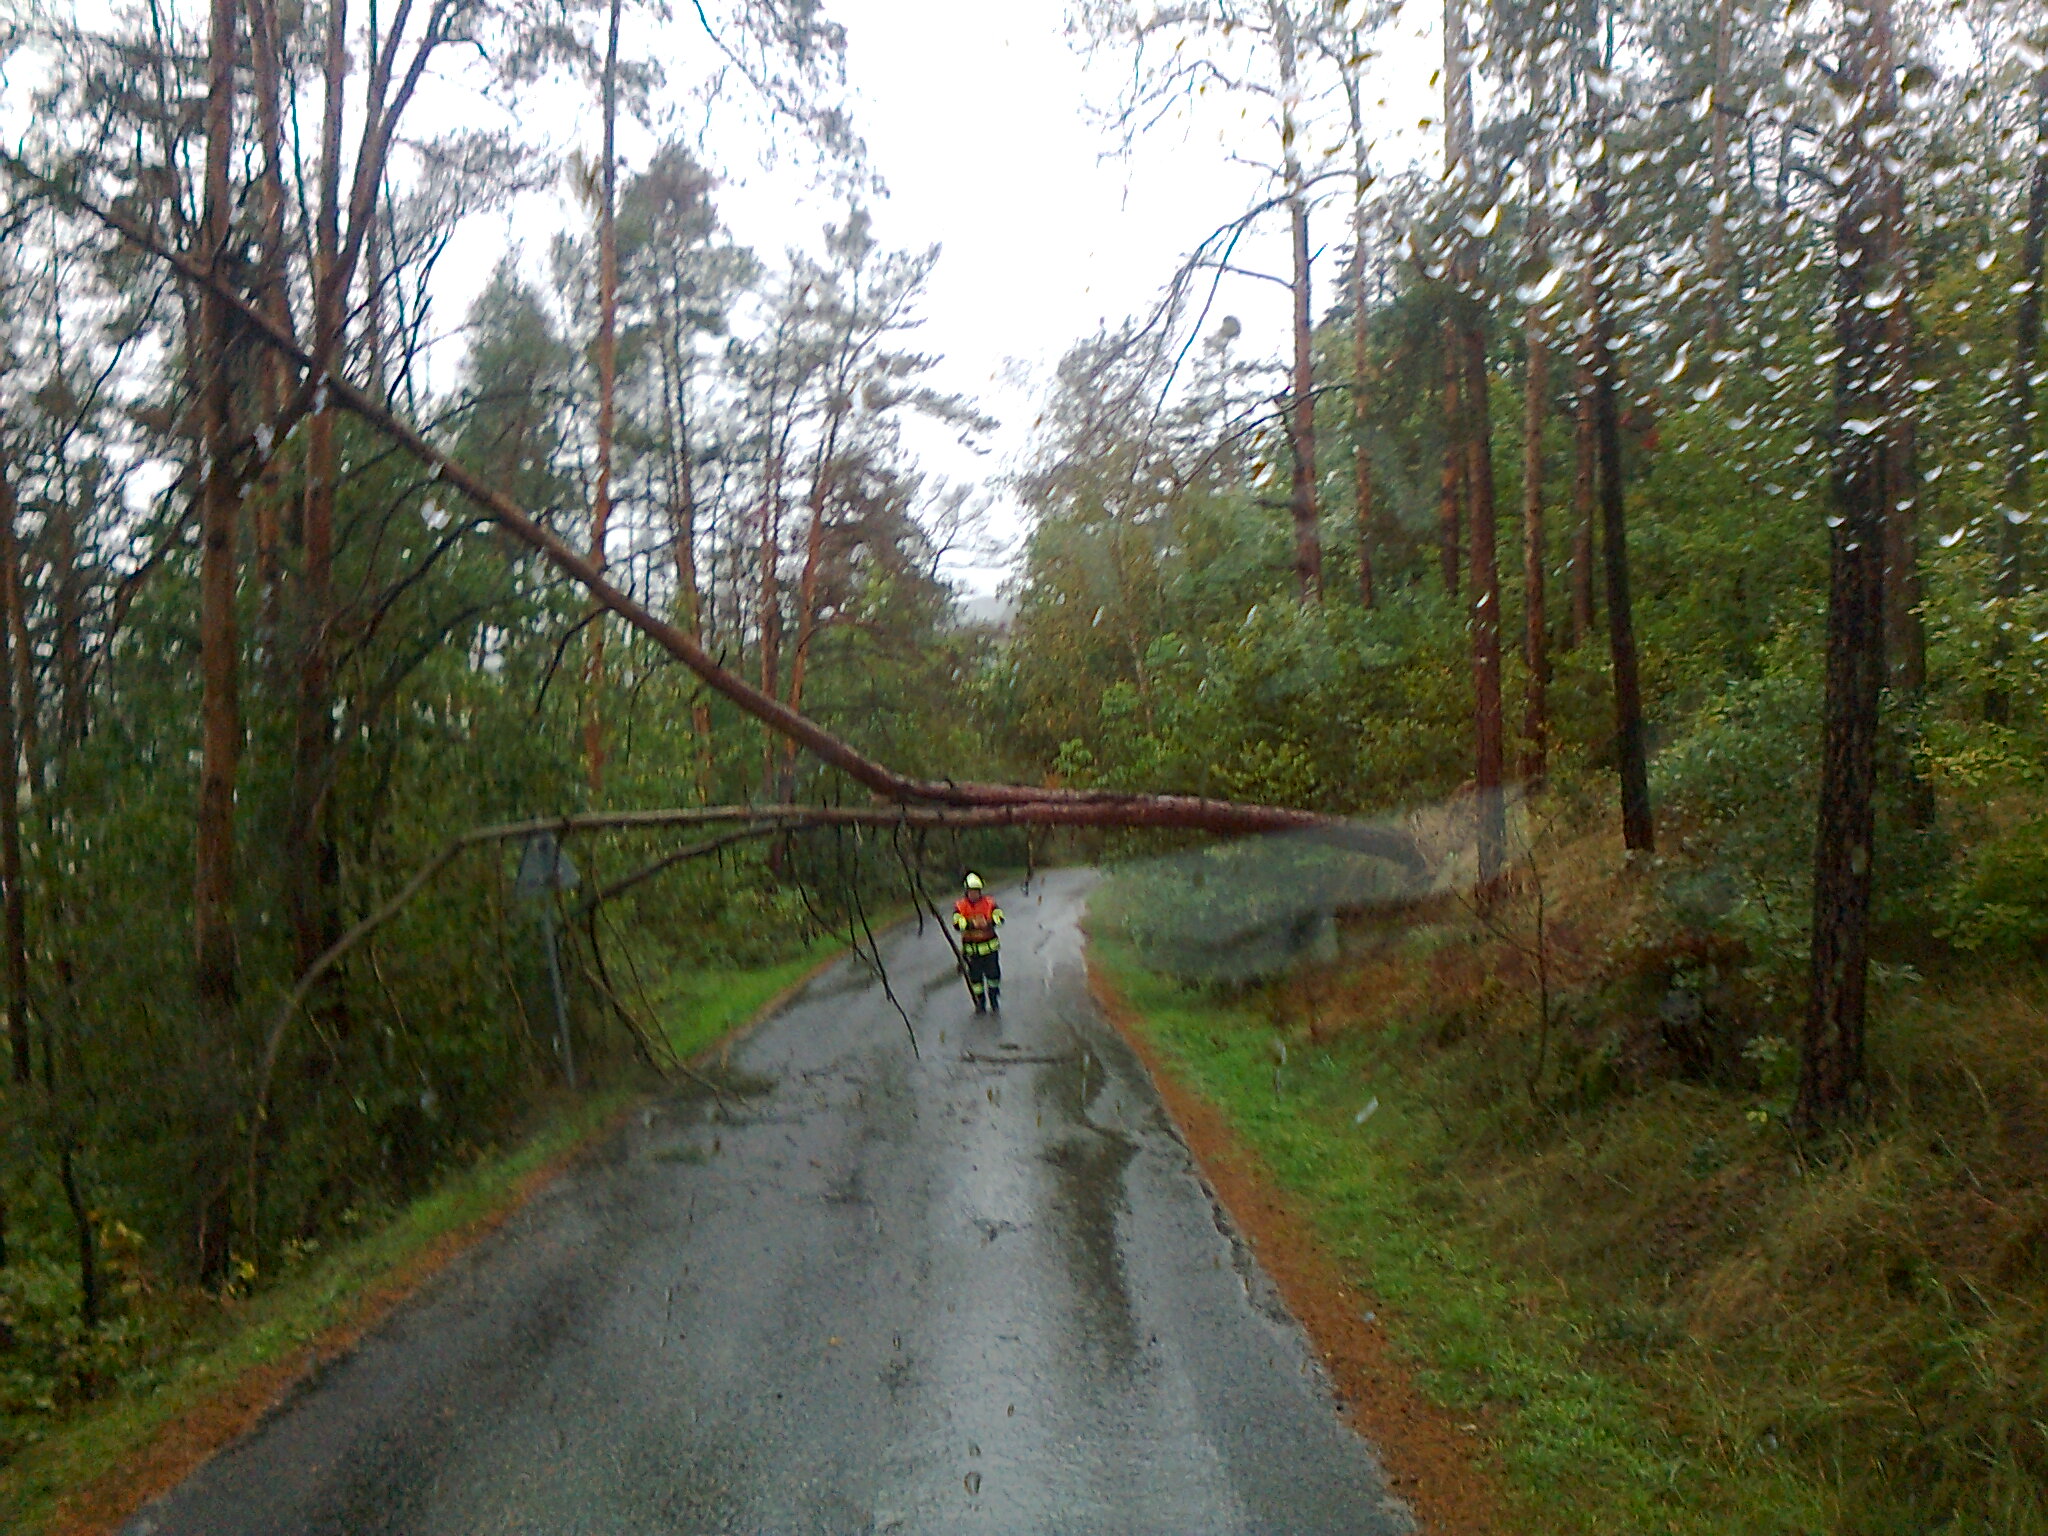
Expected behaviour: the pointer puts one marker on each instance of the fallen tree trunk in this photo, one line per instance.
(1038, 805)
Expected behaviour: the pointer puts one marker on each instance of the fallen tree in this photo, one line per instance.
(1004, 804)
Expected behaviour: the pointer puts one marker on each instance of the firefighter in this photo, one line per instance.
(977, 917)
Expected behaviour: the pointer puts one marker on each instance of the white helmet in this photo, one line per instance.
(974, 882)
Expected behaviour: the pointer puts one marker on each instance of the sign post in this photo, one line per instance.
(545, 872)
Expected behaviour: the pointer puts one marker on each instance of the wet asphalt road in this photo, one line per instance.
(983, 1291)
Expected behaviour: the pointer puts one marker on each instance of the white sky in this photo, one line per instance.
(977, 117)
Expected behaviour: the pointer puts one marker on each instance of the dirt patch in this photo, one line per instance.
(1433, 1462)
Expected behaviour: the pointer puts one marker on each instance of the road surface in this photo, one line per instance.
(980, 1290)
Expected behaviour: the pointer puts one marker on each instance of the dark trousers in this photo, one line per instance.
(985, 979)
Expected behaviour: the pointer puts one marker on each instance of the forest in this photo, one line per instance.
(1628, 557)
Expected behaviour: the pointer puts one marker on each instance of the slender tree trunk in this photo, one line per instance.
(2012, 548)
(1361, 348)
(683, 527)
(68, 604)
(1474, 439)
(217, 966)
(1488, 728)
(1717, 181)
(310, 859)
(1535, 410)
(770, 609)
(814, 550)
(1630, 750)
(1301, 404)
(1905, 633)
(89, 1303)
(807, 598)
(266, 70)
(1450, 519)
(1585, 506)
(13, 899)
(607, 390)
(1868, 255)
(1301, 415)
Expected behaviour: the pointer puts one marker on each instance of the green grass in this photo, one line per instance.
(699, 1008)
(1580, 1448)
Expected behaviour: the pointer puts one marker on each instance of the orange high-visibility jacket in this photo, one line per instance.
(976, 917)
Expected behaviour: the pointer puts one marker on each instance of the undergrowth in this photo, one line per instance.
(1557, 1151)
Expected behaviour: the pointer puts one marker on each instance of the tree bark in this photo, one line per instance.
(683, 521)
(988, 804)
(13, 899)
(271, 293)
(1450, 517)
(89, 1300)
(1535, 410)
(1488, 729)
(1475, 440)
(1361, 347)
(607, 393)
(2026, 351)
(220, 702)
(1301, 416)
(1301, 405)
(1585, 506)
(310, 864)
(217, 965)
(1717, 180)
(1630, 751)
(1868, 252)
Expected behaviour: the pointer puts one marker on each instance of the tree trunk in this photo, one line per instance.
(310, 860)
(1831, 1071)
(271, 294)
(1301, 414)
(1535, 410)
(13, 899)
(1451, 494)
(683, 524)
(1474, 446)
(1585, 506)
(1301, 402)
(217, 967)
(1361, 345)
(1630, 752)
(607, 391)
(770, 610)
(2012, 547)
(1488, 729)
(220, 704)
(88, 1242)
(1717, 181)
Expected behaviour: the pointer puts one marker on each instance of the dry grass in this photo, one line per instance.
(1875, 1309)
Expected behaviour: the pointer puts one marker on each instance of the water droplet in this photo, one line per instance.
(1479, 226)
(972, 1482)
